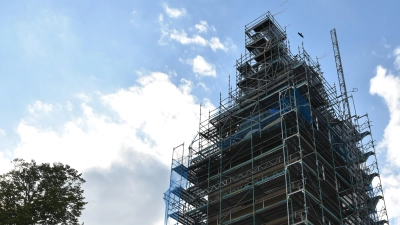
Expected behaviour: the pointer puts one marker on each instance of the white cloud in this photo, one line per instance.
(202, 26)
(83, 97)
(2, 132)
(385, 44)
(163, 29)
(127, 146)
(174, 12)
(230, 44)
(149, 118)
(391, 185)
(203, 85)
(123, 193)
(5, 163)
(160, 18)
(39, 106)
(387, 86)
(202, 67)
(69, 106)
(181, 36)
(216, 44)
(187, 85)
(396, 53)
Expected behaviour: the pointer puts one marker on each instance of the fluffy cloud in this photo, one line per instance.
(39, 106)
(174, 12)
(397, 60)
(163, 29)
(5, 163)
(391, 185)
(160, 18)
(216, 44)
(181, 36)
(69, 106)
(387, 85)
(149, 118)
(202, 67)
(124, 193)
(83, 97)
(203, 85)
(201, 27)
(123, 150)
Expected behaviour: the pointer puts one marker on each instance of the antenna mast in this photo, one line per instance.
(339, 68)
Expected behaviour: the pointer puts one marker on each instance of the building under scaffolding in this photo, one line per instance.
(280, 149)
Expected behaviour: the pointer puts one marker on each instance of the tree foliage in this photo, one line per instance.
(41, 194)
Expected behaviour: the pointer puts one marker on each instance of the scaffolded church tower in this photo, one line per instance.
(280, 149)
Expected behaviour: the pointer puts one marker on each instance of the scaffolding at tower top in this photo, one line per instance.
(278, 150)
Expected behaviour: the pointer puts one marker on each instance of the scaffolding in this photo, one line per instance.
(279, 149)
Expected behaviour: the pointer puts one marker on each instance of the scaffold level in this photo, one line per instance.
(278, 150)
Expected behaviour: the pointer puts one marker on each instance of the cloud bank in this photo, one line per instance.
(124, 151)
(387, 85)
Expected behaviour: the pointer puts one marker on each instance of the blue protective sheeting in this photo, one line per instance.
(251, 125)
(302, 105)
(296, 100)
(256, 123)
(178, 182)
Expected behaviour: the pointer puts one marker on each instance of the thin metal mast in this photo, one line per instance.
(339, 68)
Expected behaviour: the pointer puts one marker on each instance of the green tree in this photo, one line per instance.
(41, 194)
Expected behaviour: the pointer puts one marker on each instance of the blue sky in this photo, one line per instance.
(111, 87)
